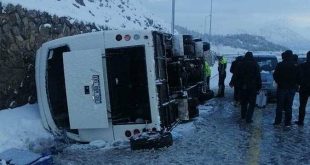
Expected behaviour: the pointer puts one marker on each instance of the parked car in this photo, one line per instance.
(267, 65)
(302, 59)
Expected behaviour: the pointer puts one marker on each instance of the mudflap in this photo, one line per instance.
(192, 107)
(151, 140)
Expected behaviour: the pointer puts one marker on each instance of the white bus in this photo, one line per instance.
(105, 85)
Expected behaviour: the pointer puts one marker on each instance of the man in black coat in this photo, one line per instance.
(222, 64)
(304, 90)
(285, 75)
(249, 80)
(295, 59)
(233, 69)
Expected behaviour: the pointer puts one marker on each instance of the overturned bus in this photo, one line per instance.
(112, 85)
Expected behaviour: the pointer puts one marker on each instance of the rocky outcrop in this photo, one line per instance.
(22, 32)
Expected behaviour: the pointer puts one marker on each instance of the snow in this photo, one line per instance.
(98, 143)
(181, 130)
(114, 14)
(186, 129)
(227, 50)
(282, 33)
(47, 25)
(19, 157)
(21, 128)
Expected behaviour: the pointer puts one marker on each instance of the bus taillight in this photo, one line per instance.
(127, 37)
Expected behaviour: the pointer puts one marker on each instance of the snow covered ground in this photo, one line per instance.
(217, 136)
(21, 128)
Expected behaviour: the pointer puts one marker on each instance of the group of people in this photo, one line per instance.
(289, 76)
(222, 64)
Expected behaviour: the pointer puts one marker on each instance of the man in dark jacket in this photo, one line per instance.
(249, 79)
(304, 90)
(233, 69)
(285, 75)
(222, 75)
(295, 59)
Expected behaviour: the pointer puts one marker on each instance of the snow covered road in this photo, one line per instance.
(218, 136)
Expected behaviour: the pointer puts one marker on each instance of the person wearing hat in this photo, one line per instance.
(286, 76)
(304, 90)
(248, 78)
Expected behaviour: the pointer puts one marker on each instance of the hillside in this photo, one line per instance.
(285, 36)
(247, 42)
(238, 41)
(115, 14)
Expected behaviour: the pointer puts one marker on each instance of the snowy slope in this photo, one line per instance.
(115, 14)
(284, 35)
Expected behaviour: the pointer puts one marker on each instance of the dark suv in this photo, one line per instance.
(267, 65)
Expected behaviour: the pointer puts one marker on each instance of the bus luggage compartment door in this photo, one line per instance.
(85, 89)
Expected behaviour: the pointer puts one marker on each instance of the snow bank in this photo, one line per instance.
(21, 128)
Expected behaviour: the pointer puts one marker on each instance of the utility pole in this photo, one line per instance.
(205, 29)
(210, 34)
(173, 17)
(1, 8)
